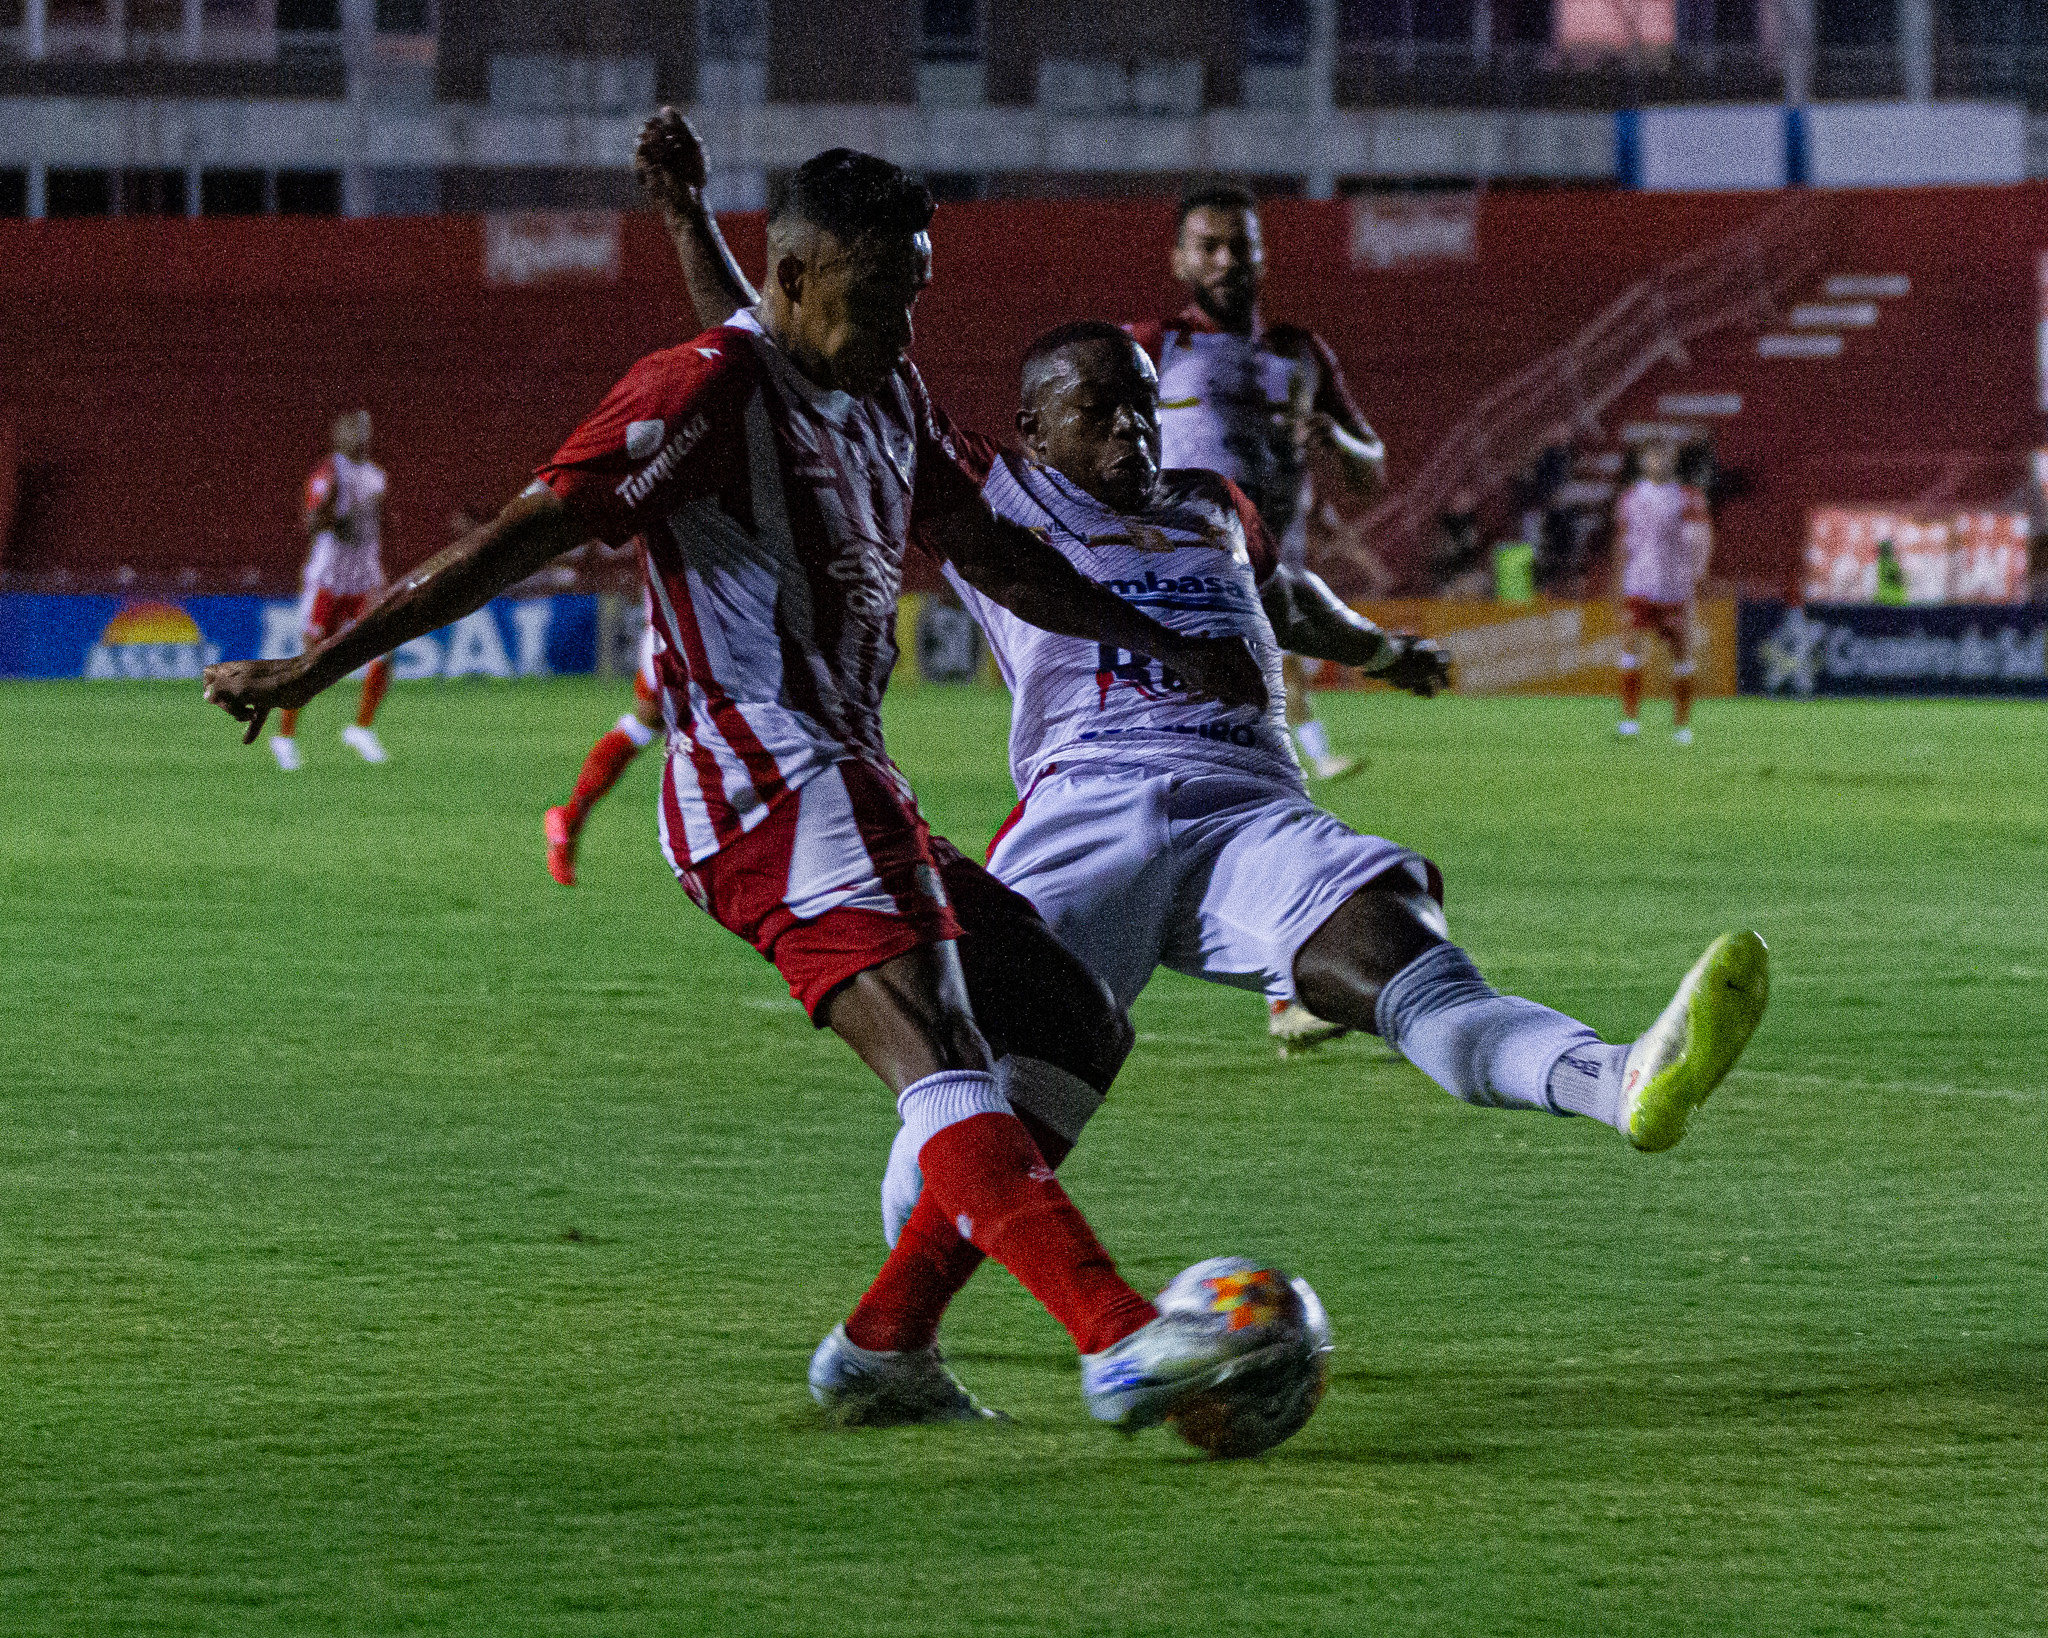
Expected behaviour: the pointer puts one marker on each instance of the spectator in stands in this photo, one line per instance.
(1459, 565)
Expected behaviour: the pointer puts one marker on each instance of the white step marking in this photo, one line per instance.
(1857, 286)
(1834, 315)
(1815, 344)
(1700, 403)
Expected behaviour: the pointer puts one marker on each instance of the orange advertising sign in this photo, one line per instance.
(1945, 557)
(1548, 647)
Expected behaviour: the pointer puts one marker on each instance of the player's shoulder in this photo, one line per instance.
(1223, 510)
(723, 354)
(1198, 486)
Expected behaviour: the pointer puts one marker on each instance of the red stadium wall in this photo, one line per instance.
(170, 382)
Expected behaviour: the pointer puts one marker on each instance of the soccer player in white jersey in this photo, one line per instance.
(344, 572)
(1666, 539)
(1157, 827)
(772, 470)
(1248, 400)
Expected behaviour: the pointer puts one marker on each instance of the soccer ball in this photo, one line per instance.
(1274, 1386)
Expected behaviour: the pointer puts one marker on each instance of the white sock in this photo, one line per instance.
(928, 1107)
(637, 731)
(1490, 1049)
(1314, 739)
(1063, 1101)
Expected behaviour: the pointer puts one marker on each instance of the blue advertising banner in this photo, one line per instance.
(1990, 651)
(117, 638)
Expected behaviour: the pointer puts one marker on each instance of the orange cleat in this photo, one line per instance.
(561, 835)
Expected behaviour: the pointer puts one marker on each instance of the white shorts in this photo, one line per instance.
(1215, 874)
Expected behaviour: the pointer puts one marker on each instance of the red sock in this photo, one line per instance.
(374, 683)
(1681, 701)
(986, 1175)
(1631, 691)
(601, 769)
(902, 1309)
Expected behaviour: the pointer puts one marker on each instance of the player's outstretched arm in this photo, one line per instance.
(1010, 565)
(669, 165)
(532, 529)
(1308, 618)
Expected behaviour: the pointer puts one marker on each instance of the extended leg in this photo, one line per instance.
(1307, 727)
(602, 768)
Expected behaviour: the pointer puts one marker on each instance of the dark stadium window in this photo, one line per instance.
(404, 17)
(952, 28)
(1521, 22)
(1276, 31)
(231, 193)
(309, 193)
(13, 193)
(1856, 22)
(309, 16)
(78, 193)
(153, 193)
(1446, 22)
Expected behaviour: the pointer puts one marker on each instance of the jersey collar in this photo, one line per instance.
(1195, 317)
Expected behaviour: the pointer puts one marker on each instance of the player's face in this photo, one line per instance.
(352, 434)
(1221, 258)
(1097, 422)
(1658, 464)
(853, 316)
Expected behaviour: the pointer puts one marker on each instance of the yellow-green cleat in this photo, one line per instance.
(1695, 1041)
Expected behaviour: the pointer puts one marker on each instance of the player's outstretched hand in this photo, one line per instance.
(1221, 669)
(249, 690)
(1418, 666)
(668, 161)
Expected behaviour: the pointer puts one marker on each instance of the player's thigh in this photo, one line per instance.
(1279, 868)
(1031, 994)
(909, 1017)
(1088, 849)
(1341, 969)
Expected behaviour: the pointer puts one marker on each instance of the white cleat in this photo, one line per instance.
(1628, 727)
(865, 1387)
(286, 751)
(1338, 767)
(1296, 1030)
(1157, 1369)
(1681, 736)
(1695, 1041)
(364, 742)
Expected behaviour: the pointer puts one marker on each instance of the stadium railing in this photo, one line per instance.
(1743, 277)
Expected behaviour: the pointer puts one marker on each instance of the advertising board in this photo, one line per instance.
(1818, 649)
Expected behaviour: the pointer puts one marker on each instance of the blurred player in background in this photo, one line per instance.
(608, 760)
(773, 470)
(1665, 539)
(1253, 401)
(344, 572)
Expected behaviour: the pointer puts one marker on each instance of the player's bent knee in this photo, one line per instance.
(1340, 971)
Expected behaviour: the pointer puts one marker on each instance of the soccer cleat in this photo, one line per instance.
(1296, 1030)
(364, 742)
(1681, 736)
(286, 750)
(1628, 727)
(1338, 767)
(865, 1387)
(561, 836)
(1165, 1364)
(1695, 1041)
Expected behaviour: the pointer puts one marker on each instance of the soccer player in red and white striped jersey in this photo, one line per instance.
(1666, 539)
(772, 470)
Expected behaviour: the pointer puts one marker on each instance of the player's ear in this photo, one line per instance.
(1027, 427)
(789, 276)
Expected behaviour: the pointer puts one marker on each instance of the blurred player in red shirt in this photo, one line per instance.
(344, 572)
(773, 470)
(607, 761)
(1665, 540)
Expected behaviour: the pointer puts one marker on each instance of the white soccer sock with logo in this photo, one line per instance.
(1495, 1050)
(1063, 1101)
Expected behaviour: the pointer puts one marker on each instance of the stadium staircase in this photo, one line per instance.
(1818, 383)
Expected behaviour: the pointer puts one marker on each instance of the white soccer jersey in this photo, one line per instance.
(772, 517)
(1665, 539)
(347, 559)
(1193, 561)
(1224, 405)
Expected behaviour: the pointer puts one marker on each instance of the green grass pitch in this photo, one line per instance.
(397, 1243)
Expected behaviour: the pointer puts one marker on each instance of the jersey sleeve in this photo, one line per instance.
(1149, 334)
(320, 486)
(951, 465)
(666, 434)
(1258, 540)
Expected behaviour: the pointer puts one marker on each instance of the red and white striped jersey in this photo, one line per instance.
(772, 517)
(347, 559)
(1665, 539)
